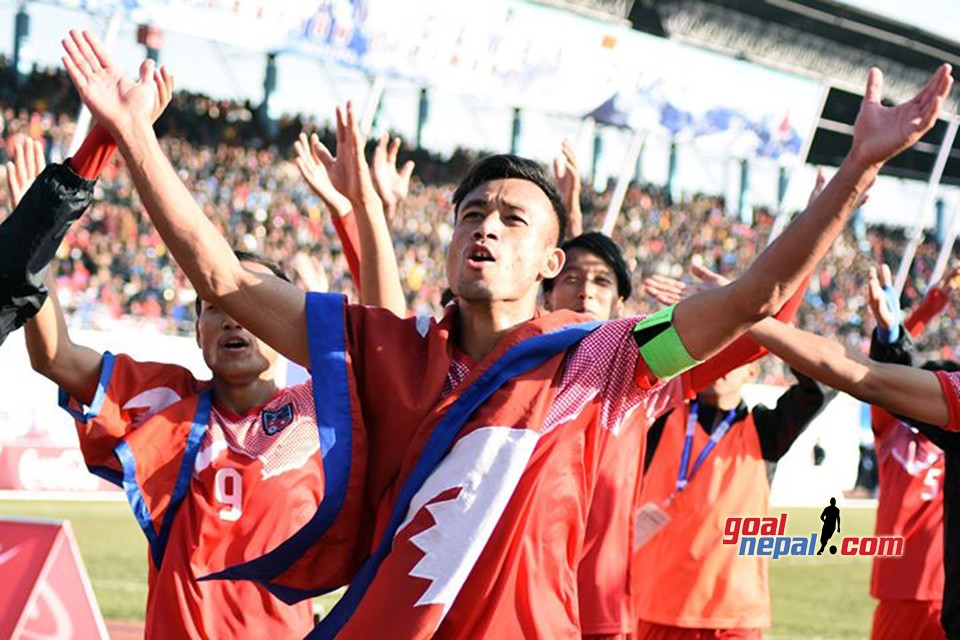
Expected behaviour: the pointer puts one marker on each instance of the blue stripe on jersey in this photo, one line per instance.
(110, 475)
(201, 420)
(326, 331)
(158, 541)
(326, 334)
(134, 497)
(520, 359)
(106, 371)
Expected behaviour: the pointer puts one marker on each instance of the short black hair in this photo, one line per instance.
(507, 165)
(247, 256)
(941, 365)
(607, 250)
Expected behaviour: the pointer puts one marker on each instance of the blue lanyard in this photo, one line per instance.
(685, 473)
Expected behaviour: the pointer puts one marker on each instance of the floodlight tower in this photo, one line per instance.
(269, 87)
(21, 32)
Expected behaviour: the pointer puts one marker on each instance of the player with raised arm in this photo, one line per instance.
(910, 588)
(28, 241)
(364, 235)
(189, 454)
(595, 281)
(464, 512)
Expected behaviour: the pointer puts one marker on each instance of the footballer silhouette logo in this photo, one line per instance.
(275, 421)
(831, 522)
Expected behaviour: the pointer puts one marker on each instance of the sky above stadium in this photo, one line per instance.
(941, 17)
(690, 78)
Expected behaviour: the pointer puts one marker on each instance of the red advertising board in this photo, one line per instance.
(43, 584)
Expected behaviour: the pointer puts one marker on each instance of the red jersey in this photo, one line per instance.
(606, 606)
(910, 505)
(480, 476)
(202, 481)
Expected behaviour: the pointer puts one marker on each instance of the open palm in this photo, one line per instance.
(27, 164)
(881, 281)
(312, 169)
(392, 185)
(880, 132)
(115, 100)
(348, 170)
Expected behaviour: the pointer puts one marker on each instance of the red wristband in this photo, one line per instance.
(95, 152)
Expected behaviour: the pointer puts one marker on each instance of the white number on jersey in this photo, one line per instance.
(932, 482)
(228, 490)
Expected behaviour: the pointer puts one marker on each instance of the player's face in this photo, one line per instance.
(587, 285)
(233, 353)
(504, 243)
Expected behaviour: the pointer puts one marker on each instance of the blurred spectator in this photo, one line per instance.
(114, 270)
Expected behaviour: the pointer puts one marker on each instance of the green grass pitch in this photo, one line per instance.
(823, 597)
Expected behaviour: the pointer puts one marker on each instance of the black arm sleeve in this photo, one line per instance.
(779, 427)
(903, 352)
(29, 239)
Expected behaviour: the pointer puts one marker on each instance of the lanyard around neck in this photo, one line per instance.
(686, 473)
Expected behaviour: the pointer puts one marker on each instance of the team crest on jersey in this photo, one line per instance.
(277, 420)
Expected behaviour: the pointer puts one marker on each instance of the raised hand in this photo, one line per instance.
(348, 170)
(664, 289)
(708, 279)
(568, 181)
(27, 164)
(667, 290)
(880, 132)
(164, 82)
(117, 102)
(391, 185)
(880, 283)
(315, 173)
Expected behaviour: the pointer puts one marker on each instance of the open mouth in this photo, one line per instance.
(234, 344)
(479, 255)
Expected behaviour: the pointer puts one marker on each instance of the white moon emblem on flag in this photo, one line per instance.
(486, 466)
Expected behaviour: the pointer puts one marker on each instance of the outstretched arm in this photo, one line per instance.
(741, 351)
(901, 390)
(365, 236)
(879, 134)
(341, 211)
(270, 308)
(349, 173)
(52, 354)
(29, 239)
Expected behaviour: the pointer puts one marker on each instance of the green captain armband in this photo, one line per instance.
(660, 345)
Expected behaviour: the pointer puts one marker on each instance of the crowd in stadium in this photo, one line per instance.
(518, 462)
(484, 451)
(114, 270)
